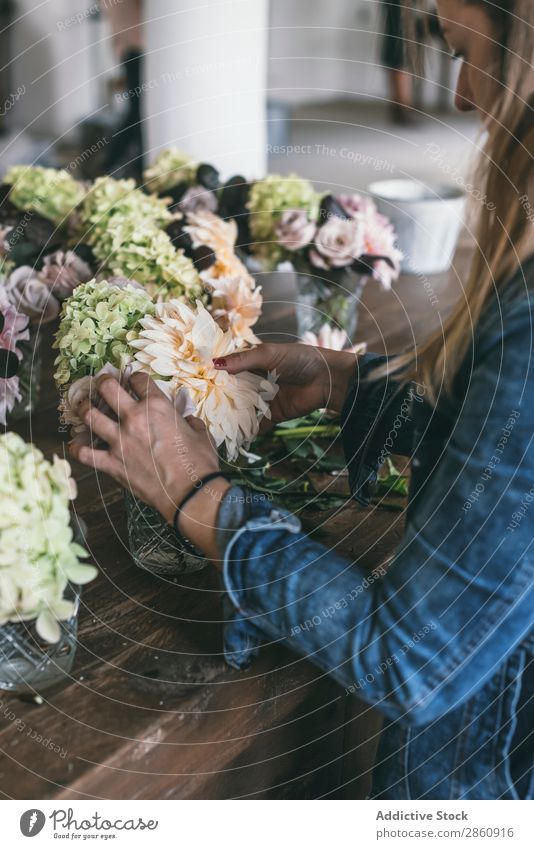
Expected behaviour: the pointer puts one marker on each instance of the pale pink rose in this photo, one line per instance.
(31, 296)
(351, 204)
(379, 239)
(198, 199)
(338, 243)
(14, 330)
(334, 339)
(4, 244)
(295, 230)
(15, 327)
(384, 273)
(63, 272)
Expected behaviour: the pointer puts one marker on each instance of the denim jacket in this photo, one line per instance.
(442, 642)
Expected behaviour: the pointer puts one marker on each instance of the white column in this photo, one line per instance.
(205, 81)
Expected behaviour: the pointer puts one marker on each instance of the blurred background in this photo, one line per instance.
(286, 85)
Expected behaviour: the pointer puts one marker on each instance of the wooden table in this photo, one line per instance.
(151, 710)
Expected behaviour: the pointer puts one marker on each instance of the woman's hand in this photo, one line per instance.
(309, 378)
(156, 454)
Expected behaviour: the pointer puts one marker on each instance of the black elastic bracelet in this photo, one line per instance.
(197, 486)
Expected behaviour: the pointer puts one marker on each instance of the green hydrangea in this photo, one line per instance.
(38, 556)
(97, 324)
(49, 192)
(147, 255)
(111, 202)
(269, 198)
(172, 166)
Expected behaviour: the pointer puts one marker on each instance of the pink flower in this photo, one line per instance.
(198, 199)
(379, 238)
(4, 243)
(338, 243)
(63, 271)
(294, 229)
(14, 330)
(332, 338)
(351, 204)
(30, 295)
(236, 306)
(15, 327)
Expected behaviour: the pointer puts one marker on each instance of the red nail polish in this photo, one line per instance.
(219, 362)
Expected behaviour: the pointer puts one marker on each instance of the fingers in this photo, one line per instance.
(199, 426)
(114, 395)
(103, 461)
(196, 424)
(261, 357)
(98, 423)
(266, 425)
(144, 387)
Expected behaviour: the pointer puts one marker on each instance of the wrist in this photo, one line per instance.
(341, 371)
(198, 518)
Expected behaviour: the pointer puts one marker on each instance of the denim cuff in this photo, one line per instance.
(371, 410)
(243, 511)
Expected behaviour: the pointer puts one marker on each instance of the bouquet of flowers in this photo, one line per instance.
(290, 222)
(105, 326)
(38, 556)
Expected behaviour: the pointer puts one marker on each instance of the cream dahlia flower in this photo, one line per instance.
(236, 304)
(236, 300)
(208, 230)
(178, 346)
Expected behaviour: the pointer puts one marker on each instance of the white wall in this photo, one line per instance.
(205, 79)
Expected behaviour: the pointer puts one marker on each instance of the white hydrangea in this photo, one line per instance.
(38, 556)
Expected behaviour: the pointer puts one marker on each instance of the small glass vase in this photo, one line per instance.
(334, 301)
(28, 664)
(29, 375)
(153, 543)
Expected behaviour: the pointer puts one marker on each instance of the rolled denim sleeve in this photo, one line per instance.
(458, 597)
(376, 421)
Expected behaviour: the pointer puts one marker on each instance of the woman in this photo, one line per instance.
(459, 702)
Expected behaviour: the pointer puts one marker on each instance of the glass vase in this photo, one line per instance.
(28, 664)
(153, 543)
(334, 301)
(29, 375)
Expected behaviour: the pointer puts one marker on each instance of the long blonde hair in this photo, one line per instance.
(504, 225)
